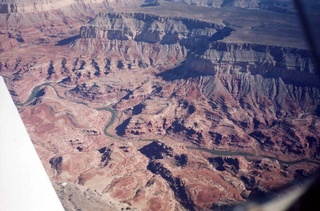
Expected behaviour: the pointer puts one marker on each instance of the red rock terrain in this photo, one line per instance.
(162, 107)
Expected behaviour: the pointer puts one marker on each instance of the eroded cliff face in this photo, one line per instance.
(143, 39)
(199, 42)
(32, 6)
(285, 6)
(48, 14)
(16, 6)
(195, 49)
(254, 86)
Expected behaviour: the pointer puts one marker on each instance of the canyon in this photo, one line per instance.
(179, 105)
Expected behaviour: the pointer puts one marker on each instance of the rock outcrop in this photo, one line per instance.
(156, 150)
(105, 158)
(175, 184)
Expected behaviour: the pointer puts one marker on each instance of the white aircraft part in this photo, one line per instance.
(24, 184)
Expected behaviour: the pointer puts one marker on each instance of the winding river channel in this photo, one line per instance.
(36, 90)
(211, 151)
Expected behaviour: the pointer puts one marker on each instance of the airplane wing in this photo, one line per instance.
(24, 184)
